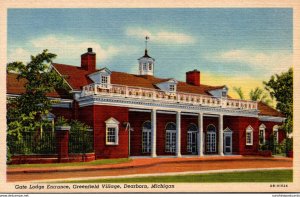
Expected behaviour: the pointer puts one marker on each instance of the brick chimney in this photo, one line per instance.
(88, 60)
(193, 77)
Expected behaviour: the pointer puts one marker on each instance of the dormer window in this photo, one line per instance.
(104, 79)
(224, 93)
(172, 88)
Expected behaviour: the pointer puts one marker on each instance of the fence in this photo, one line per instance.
(34, 143)
(81, 142)
(45, 143)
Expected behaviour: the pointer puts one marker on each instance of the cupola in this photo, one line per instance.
(146, 63)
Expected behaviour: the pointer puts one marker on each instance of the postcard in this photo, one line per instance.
(149, 97)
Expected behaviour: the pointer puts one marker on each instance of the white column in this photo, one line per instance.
(200, 134)
(153, 133)
(178, 136)
(221, 133)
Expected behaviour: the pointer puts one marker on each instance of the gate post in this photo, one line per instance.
(62, 143)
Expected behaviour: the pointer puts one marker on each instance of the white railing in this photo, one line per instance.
(158, 95)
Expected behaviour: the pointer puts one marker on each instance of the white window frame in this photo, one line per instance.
(249, 142)
(146, 138)
(150, 66)
(170, 143)
(262, 128)
(275, 133)
(104, 79)
(211, 139)
(172, 87)
(112, 123)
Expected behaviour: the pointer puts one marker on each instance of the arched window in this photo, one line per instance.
(192, 136)
(275, 134)
(262, 134)
(211, 138)
(171, 137)
(249, 135)
(146, 137)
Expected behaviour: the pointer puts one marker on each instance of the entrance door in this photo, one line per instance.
(227, 141)
(192, 142)
(211, 142)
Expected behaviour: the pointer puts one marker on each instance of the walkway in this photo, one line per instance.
(148, 166)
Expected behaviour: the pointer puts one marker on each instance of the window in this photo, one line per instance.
(146, 137)
(192, 138)
(150, 66)
(172, 88)
(275, 133)
(112, 131)
(249, 135)
(171, 138)
(211, 139)
(262, 129)
(145, 66)
(224, 94)
(104, 79)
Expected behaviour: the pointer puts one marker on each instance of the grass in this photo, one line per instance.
(249, 176)
(92, 163)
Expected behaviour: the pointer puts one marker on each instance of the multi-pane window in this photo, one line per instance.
(145, 66)
(150, 66)
(112, 131)
(172, 88)
(146, 137)
(249, 135)
(211, 139)
(262, 129)
(104, 79)
(192, 138)
(111, 135)
(171, 138)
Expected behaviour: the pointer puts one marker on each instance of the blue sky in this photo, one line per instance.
(237, 47)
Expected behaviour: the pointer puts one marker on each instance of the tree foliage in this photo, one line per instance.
(25, 112)
(280, 87)
(257, 94)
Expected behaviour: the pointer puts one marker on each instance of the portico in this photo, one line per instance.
(186, 138)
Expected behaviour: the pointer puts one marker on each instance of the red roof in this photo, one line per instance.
(77, 77)
(266, 110)
(15, 86)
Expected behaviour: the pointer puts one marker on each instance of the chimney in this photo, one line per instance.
(193, 77)
(88, 60)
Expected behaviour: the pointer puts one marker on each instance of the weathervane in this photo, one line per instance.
(146, 41)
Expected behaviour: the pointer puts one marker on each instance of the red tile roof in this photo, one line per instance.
(15, 86)
(266, 110)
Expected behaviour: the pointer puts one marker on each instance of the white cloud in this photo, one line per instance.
(18, 54)
(67, 48)
(161, 36)
(273, 61)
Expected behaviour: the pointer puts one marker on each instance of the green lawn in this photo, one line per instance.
(92, 163)
(250, 176)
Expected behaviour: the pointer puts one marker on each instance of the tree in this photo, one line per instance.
(239, 91)
(25, 112)
(255, 95)
(280, 87)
